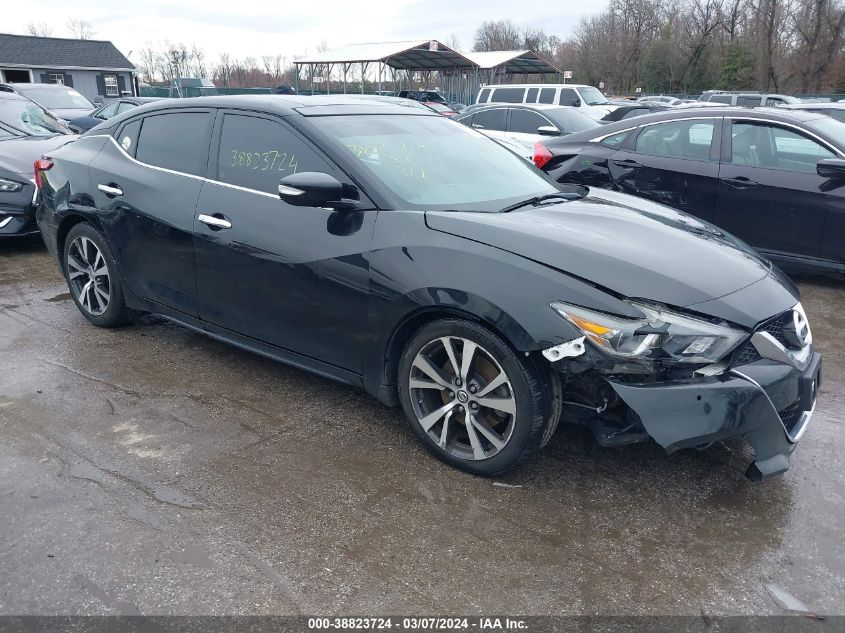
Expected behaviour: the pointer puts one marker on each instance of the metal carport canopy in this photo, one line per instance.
(524, 62)
(413, 55)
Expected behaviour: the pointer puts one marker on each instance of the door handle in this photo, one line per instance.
(216, 221)
(626, 162)
(111, 190)
(740, 182)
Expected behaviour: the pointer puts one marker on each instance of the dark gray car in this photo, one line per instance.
(27, 132)
(63, 101)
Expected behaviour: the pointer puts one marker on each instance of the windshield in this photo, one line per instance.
(57, 98)
(832, 128)
(29, 118)
(436, 163)
(571, 121)
(592, 96)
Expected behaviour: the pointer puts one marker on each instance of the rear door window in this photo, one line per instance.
(531, 97)
(176, 140)
(484, 95)
(257, 153)
(721, 99)
(508, 95)
(490, 120)
(677, 139)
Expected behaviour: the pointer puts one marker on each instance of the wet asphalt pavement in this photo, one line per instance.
(153, 470)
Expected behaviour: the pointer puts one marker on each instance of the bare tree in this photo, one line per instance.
(197, 62)
(223, 70)
(152, 64)
(501, 35)
(80, 29)
(40, 29)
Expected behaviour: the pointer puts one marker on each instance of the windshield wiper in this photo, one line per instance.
(538, 199)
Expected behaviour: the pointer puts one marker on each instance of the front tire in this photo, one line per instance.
(93, 277)
(469, 398)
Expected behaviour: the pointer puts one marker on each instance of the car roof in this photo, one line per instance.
(818, 105)
(528, 106)
(27, 85)
(316, 105)
(538, 86)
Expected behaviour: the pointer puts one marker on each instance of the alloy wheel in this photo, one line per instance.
(88, 275)
(462, 398)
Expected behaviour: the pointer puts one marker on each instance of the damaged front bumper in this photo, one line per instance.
(768, 402)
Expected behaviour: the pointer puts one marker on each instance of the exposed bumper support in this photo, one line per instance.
(688, 413)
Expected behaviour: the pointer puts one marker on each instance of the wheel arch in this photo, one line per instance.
(502, 325)
(69, 221)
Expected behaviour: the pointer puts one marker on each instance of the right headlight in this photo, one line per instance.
(662, 333)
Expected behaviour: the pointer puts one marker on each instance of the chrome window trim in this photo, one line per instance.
(599, 139)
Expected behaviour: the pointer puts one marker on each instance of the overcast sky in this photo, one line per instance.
(260, 27)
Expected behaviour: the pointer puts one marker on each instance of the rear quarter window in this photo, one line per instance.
(127, 136)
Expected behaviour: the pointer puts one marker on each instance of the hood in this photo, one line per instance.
(18, 154)
(627, 245)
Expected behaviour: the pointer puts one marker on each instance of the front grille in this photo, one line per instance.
(747, 353)
(775, 327)
(790, 416)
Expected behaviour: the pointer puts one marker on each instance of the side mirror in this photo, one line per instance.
(576, 103)
(831, 168)
(548, 130)
(317, 189)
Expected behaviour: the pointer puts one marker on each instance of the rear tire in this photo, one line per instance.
(469, 398)
(93, 277)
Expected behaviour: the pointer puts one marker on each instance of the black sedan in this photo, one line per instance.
(773, 177)
(26, 132)
(106, 111)
(356, 240)
(631, 110)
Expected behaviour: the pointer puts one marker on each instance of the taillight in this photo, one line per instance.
(42, 164)
(542, 155)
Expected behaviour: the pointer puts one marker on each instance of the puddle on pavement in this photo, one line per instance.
(65, 296)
